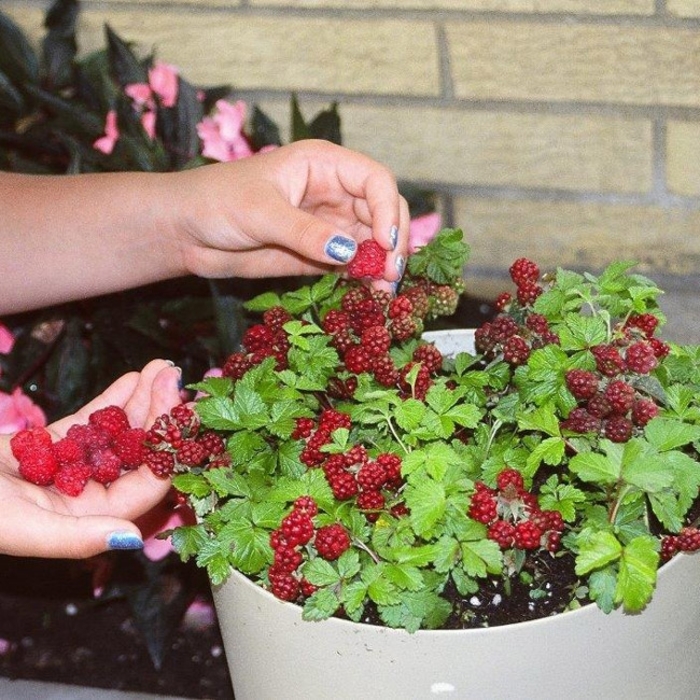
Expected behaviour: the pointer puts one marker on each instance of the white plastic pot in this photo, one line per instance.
(274, 655)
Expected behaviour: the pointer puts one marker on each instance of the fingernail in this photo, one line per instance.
(341, 248)
(124, 539)
(400, 265)
(394, 288)
(393, 237)
(170, 362)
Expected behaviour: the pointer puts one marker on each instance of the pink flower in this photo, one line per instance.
(140, 93)
(163, 517)
(18, 411)
(106, 143)
(422, 230)
(222, 135)
(7, 340)
(148, 122)
(164, 82)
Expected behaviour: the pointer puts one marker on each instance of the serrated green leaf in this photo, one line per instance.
(187, 540)
(597, 468)
(636, 578)
(426, 501)
(667, 434)
(600, 549)
(320, 605)
(320, 572)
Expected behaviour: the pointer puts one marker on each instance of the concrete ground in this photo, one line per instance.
(35, 690)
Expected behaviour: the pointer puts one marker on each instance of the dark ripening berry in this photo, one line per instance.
(620, 395)
(369, 261)
(581, 383)
(618, 429)
(527, 293)
(643, 411)
(524, 270)
(640, 358)
(688, 539)
(372, 502)
(516, 351)
(608, 360)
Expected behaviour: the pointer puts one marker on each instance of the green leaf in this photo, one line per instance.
(409, 414)
(667, 434)
(17, 58)
(187, 540)
(550, 451)
(353, 597)
(596, 468)
(636, 579)
(300, 129)
(320, 605)
(263, 130)
(426, 501)
(263, 302)
(601, 588)
(251, 545)
(320, 572)
(481, 557)
(193, 484)
(124, 65)
(326, 125)
(443, 259)
(600, 549)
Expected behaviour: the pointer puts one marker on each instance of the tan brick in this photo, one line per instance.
(589, 63)
(504, 149)
(593, 7)
(683, 157)
(684, 8)
(579, 235)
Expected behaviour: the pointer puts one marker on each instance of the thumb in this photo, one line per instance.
(47, 534)
(307, 235)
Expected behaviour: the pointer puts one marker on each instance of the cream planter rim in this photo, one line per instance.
(273, 654)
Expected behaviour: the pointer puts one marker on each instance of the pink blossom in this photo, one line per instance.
(106, 143)
(222, 134)
(5, 646)
(199, 616)
(148, 122)
(422, 230)
(7, 340)
(18, 411)
(163, 517)
(140, 93)
(164, 82)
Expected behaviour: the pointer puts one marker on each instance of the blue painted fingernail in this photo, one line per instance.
(400, 265)
(124, 539)
(393, 237)
(394, 288)
(341, 248)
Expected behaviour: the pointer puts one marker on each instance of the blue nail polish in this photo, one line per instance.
(124, 540)
(400, 265)
(393, 237)
(341, 248)
(394, 288)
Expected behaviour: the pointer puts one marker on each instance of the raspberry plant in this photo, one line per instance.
(354, 470)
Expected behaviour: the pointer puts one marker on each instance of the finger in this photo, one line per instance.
(29, 529)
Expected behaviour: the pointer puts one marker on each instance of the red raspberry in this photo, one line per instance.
(429, 356)
(419, 301)
(307, 505)
(647, 323)
(71, 478)
(212, 443)
(640, 358)
(342, 483)
(287, 559)
(618, 429)
(236, 365)
(258, 337)
(502, 532)
(528, 292)
(111, 419)
(358, 359)
(369, 261)
(330, 420)
(423, 381)
(28, 440)
(38, 466)
(331, 541)
(660, 348)
(307, 588)
(303, 428)
(342, 388)
(484, 340)
(297, 528)
(371, 502)
(580, 420)
(354, 297)
(608, 360)
(191, 454)
(67, 451)
(160, 462)
(130, 447)
(581, 383)
(503, 327)
(385, 371)
(510, 477)
(357, 454)
(106, 466)
(283, 585)
(688, 539)
(503, 301)
(371, 477)
(599, 406)
(483, 506)
(620, 395)
(275, 317)
(335, 320)
(403, 327)
(400, 307)
(669, 547)
(524, 270)
(88, 436)
(516, 351)
(376, 340)
(537, 323)
(527, 535)
(392, 468)
(643, 411)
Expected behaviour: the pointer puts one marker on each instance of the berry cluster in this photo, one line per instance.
(295, 541)
(687, 540)
(517, 329)
(369, 261)
(176, 442)
(608, 402)
(513, 515)
(372, 483)
(99, 450)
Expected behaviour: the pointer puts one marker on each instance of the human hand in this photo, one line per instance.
(41, 522)
(296, 210)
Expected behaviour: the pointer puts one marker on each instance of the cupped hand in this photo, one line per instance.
(295, 210)
(39, 521)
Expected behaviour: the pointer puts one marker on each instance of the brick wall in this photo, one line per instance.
(565, 130)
